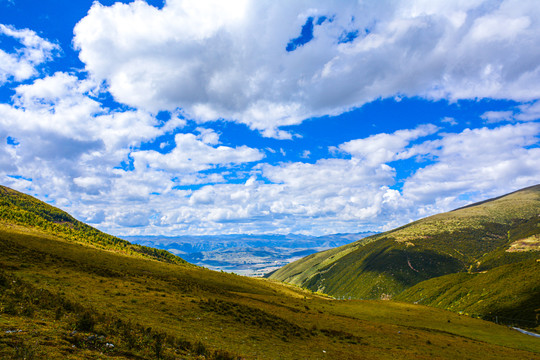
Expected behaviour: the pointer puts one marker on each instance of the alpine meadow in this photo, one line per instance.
(72, 292)
(269, 179)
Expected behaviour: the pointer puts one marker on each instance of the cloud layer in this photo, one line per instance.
(96, 143)
(230, 60)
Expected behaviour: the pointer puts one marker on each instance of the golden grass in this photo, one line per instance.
(252, 318)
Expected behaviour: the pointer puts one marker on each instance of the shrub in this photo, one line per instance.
(85, 322)
(21, 351)
(199, 348)
(158, 345)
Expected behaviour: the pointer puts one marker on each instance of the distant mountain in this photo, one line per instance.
(252, 255)
(497, 236)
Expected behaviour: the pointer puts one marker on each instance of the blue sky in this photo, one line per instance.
(215, 117)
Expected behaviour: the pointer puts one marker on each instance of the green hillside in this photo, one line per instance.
(23, 211)
(64, 297)
(480, 237)
(509, 294)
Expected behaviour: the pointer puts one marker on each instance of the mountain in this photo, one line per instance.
(18, 210)
(470, 246)
(245, 254)
(63, 296)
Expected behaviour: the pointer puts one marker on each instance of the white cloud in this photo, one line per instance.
(208, 60)
(70, 147)
(383, 148)
(347, 194)
(525, 112)
(64, 105)
(330, 195)
(208, 136)
(195, 153)
(222, 61)
(482, 161)
(499, 26)
(449, 120)
(133, 218)
(68, 142)
(497, 116)
(528, 112)
(21, 63)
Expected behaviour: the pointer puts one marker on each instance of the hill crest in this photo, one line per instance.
(27, 212)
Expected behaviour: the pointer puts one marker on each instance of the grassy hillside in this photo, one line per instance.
(476, 238)
(65, 299)
(24, 211)
(509, 294)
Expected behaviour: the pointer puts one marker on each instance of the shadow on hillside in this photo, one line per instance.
(381, 268)
(411, 267)
(524, 314)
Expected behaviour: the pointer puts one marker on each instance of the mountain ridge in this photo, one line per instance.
(244, 254)
(466, 240)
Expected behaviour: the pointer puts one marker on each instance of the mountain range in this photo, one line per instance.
(245, 254)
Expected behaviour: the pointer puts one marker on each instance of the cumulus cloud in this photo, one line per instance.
(346, 194)
(215, 60)
(525, 112)
(58, 139)
(528, 112)
(60, 131)
(64, 133)
(21, 63)
(269, 64)
(485, 161)
(339, 194)
(497, 116)
(195, 153)
(329, 195)
(383, 148)
(64, 105)
(449, 120)
(133, 219)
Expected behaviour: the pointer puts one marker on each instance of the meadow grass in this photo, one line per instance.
(148, 308)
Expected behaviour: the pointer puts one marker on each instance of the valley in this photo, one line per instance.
(249, 255)
(65, 297)
(269, 180)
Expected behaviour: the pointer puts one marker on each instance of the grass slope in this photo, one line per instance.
(24, 211)
(61, 299)
(507, 294)
(471, 239)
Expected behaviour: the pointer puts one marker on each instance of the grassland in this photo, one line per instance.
(70, 300)
(436, 261)
(509, 294)
(65, 299)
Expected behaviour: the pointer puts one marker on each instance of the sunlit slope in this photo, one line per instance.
(21, 210)
(471, 239)
(61, 299)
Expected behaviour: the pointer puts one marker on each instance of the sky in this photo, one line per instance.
(194, 117)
